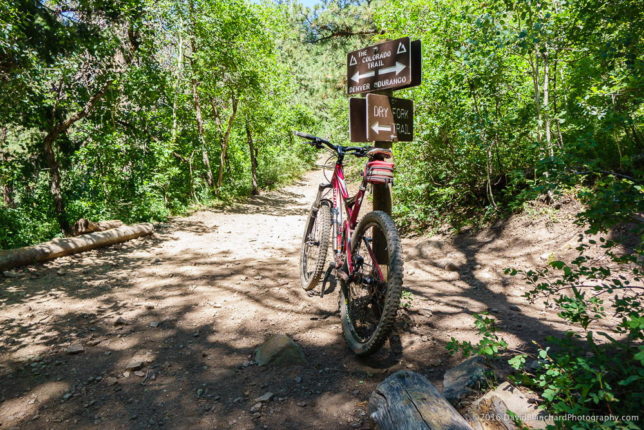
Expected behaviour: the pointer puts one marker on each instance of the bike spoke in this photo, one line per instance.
(367, 287)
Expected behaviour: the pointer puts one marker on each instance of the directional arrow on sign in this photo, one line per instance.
(399, 67)
(377, 128)
(389, 65)
(358, 75)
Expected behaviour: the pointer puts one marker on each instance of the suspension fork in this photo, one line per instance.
(318, 197)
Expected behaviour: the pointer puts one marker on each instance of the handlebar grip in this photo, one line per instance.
(304, 135)
(314, 139)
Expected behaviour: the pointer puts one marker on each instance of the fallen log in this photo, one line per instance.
(71, 245)
(408, 401)
(84, 226)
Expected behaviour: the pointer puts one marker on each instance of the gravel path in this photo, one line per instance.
(159, 332)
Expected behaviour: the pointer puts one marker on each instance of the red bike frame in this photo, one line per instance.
(343, 230)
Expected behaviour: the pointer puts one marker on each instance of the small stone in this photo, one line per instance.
(126, 374)
(238, 399)
(451, 267)
(256, 407)
(61, 273)
(110, 380)
(265, 397)
(301, 404)
(120, 321)
(199, 392)
(67, 396)
(506, 397)
(298, 379)
(243, 278)
(11, 274)
(457, 381)
(154, 324)
(434, 362)
(139, 373)
(280, 350)
(134, 364)
(75, 348)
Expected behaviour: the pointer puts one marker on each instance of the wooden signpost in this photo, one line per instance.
(379, 118)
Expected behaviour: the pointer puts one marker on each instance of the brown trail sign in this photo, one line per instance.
(381, 118)
(382, 68)
(387, 65)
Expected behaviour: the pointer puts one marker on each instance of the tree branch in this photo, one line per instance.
(345, 33)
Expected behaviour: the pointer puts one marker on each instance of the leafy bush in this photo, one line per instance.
(598, 371)
(490, 345)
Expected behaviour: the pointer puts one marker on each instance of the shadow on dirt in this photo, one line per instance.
(189, 376)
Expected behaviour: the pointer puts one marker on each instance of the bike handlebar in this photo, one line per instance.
(312, 138)
(358, 151)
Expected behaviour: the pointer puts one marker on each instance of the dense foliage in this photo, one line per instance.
(135, 109)
(516, 95)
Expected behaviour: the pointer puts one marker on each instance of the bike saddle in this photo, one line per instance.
(379, 153)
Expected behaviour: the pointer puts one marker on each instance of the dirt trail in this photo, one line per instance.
(194, 301)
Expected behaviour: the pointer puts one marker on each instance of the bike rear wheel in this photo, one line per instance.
(369, 300)
(315, 244)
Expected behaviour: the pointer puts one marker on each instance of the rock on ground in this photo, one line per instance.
(490, 412)
(458, 381)
(280, 350)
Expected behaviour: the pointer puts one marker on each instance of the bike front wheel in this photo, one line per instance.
(315, 244)
(370, 298)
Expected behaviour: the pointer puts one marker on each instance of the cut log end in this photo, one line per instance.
(85, 226)
(408, 401)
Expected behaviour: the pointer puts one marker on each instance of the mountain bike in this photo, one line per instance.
(367, 256)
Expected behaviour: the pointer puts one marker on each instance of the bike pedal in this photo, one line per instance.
(329, 270)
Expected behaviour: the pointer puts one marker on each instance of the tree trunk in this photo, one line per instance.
(534, 64)
(546, 100)
(176, 88)
(555, 109)
(224, 144)
(5, 183)
(253, 159)
(54, 183)
(52, 163)
(200, 131)
(197, 102)
(7, 195)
